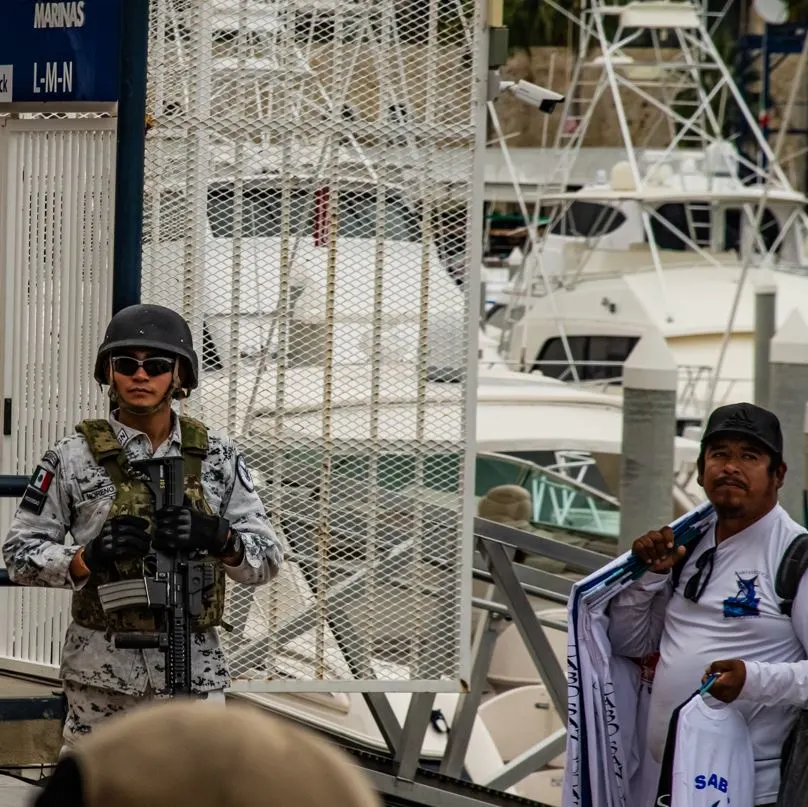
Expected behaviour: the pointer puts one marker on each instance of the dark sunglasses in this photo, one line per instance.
(694, 587)
(154, 365)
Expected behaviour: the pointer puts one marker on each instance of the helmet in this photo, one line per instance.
(149, 327)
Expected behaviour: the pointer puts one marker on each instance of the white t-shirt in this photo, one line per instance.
(737, 617)
(708, 758)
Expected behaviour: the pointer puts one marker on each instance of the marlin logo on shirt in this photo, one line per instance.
(745, 602)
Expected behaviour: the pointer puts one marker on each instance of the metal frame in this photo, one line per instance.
(494, 542)
(419, 792)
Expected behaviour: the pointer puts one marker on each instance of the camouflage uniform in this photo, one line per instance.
(77, 497)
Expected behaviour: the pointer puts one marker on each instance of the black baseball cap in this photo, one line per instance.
(748, 420)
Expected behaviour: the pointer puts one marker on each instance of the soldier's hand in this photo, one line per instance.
(185, 529)
(656, 548)
(121, 537)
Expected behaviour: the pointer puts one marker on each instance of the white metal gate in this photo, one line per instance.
(310, 209)
(56, 228)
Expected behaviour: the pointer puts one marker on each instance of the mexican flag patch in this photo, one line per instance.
(41, 479)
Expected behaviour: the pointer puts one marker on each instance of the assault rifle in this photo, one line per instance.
(175, 589)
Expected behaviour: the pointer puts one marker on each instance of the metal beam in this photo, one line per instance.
(532, 760)
(534, 581)
(12, 485)
(502, 610)
(528, 625)
(422, 794)
(353, 649)
(48, 707)
(412, 735)
(466, 710)
(385, 718)
(538, 545)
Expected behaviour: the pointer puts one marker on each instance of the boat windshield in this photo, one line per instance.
(557, 501)
(260, 214)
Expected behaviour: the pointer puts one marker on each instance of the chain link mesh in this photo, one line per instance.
(308, 210)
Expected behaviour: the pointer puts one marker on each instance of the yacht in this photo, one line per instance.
(673, 236)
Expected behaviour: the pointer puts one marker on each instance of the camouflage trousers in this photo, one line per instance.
(88, 706)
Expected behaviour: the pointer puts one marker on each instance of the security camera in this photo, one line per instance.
(543, 99)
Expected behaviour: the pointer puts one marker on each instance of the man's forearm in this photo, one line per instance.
(780, 684)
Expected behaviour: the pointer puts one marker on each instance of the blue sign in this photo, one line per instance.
(67, 51)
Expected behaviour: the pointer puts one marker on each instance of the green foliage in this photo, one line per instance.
(534, 23)
(798, 10)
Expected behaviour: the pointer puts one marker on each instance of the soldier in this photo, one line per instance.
(85, 485)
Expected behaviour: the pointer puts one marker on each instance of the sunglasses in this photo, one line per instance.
(154, 365)
(694, 587)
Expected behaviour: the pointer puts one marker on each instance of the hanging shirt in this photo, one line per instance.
(737, 617)
(708, 760)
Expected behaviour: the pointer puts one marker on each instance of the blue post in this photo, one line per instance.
(765, 89)
(131, 149)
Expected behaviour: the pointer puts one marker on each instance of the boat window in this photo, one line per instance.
(260, 213)
(769, 230)
(555, 502)
(597, 358)
(261, 216)
(612, 351)
(552, 358)
(699, 227)
(588, 219)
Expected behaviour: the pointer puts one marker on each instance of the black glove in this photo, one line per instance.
(184, 529)
(121, 537)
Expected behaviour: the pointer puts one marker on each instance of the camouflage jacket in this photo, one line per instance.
(77, 497)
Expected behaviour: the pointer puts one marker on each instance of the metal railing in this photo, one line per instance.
(693, 387)
(12, 485)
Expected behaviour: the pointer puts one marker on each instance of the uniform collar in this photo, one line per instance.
(125, 434)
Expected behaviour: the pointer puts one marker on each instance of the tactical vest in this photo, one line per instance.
(132, 497)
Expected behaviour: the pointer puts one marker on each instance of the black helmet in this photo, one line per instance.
(149, 327)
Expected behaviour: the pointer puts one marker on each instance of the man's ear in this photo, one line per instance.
(64, 788)
(780, 474)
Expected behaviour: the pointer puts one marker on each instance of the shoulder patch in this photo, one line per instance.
(51, 458)
(41, 479)
(36, 494)
(244, 474)
(33, 501)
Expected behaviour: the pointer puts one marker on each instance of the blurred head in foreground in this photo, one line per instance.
(179, 753)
